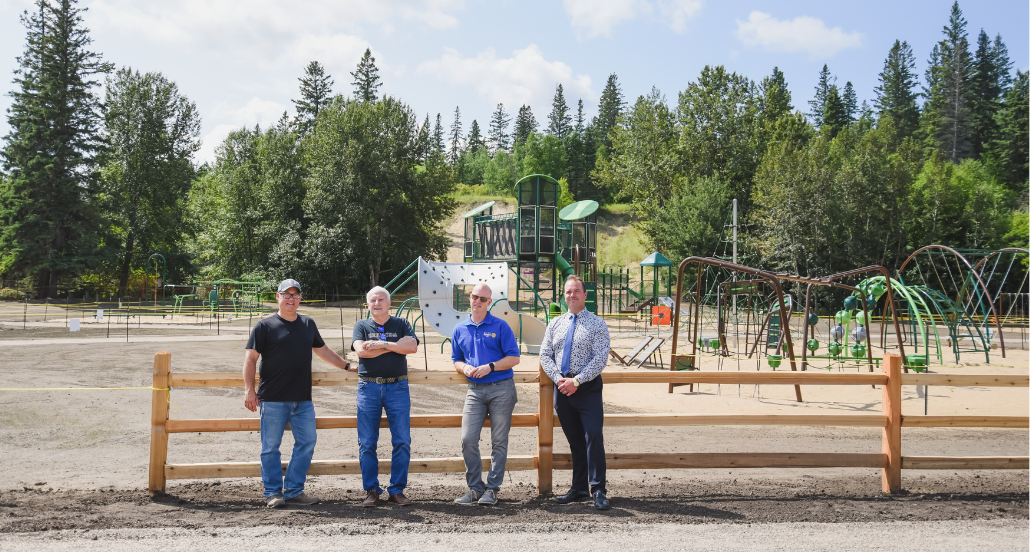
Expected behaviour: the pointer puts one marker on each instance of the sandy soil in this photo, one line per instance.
(76, 461)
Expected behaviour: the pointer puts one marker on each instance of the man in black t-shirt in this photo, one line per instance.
(382, 342)
(284, 342)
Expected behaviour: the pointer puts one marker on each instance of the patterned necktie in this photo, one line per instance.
(567, 351)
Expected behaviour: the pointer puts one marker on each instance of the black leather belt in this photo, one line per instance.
(382, 380)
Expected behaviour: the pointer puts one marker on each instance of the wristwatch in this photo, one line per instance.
(575, 382)
(491, 367)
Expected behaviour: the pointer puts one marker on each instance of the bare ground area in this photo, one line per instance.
(73, 464)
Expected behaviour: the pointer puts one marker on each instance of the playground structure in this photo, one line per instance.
(542, 244)
(218, 295)
(536, 243)
(922, 317)
(439, 299)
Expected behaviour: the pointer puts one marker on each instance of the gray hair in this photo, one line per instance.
(375, 291)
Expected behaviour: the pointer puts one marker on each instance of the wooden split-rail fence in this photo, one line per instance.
(889, 459)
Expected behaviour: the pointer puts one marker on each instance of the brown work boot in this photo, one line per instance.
(399, 499)
(372, 500)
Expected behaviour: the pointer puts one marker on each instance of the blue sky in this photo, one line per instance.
(239, 61)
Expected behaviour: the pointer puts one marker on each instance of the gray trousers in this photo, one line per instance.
(496, 400)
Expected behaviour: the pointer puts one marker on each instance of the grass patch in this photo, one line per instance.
(616, 208)
(624, 247)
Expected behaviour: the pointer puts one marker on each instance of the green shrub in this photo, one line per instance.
(7, 294)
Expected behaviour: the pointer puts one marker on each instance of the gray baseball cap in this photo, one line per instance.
(287, 284)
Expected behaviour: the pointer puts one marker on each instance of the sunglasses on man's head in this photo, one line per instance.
(480, 299)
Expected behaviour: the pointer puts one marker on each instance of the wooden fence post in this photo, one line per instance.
(158, 417)
(891, 475)
(545, 434)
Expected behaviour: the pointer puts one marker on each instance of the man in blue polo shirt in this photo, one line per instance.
(484, 350)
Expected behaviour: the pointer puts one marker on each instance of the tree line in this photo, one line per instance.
(349, 189)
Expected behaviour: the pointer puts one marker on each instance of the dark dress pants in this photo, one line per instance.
(582, 420)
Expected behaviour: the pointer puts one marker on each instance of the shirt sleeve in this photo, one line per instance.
(316, 339)
(257, 338)
(600, 344)
(547, 353)
(456, 353)
(509, 345)
(358, 334)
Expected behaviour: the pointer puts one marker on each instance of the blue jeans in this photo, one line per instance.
(372, 399)
(482, 400)
(274, 417)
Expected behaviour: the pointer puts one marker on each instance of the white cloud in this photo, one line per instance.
(677, 12)
(524, 78)
(267, 35)
(802, 35)
(255, 112)
(599, 17)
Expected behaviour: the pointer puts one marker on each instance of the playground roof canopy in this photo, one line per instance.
(578, 210)
(656, 259)
(479, 209)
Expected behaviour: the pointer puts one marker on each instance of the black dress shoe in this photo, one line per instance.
(601, 501)
(571, 496)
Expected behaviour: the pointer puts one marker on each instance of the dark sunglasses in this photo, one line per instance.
(480, 299)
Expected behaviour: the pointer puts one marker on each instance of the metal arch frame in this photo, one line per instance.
(1015, 251)
(700, 261)
(998, 252)
(986, 292)
(868, 334)
(773, 279)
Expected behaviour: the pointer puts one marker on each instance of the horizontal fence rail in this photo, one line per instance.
(889, 460)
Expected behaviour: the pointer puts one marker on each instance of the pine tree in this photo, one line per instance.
(822, 90)
(499, 139)
(525, 124)
(316, 90)
(608, 110)
(439, 146)
(835, 116)
(577, 171)
(454, 152)
(475, 139)
(775, 96)
(895, 95)
(989, 80)
(559, 121)
(48, 222)
(425, 134)
(850, 100)
(580, 117)
(366, 78)
(946, 122)
(1011, 147)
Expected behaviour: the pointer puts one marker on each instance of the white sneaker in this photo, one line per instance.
(468, 498)
(489, 497)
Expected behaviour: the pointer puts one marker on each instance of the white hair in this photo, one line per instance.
(376, 291)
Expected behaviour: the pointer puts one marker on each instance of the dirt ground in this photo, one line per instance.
(74, 462)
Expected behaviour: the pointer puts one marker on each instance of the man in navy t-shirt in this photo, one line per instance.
(382, 343)
(484, 350)
(284, 342)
